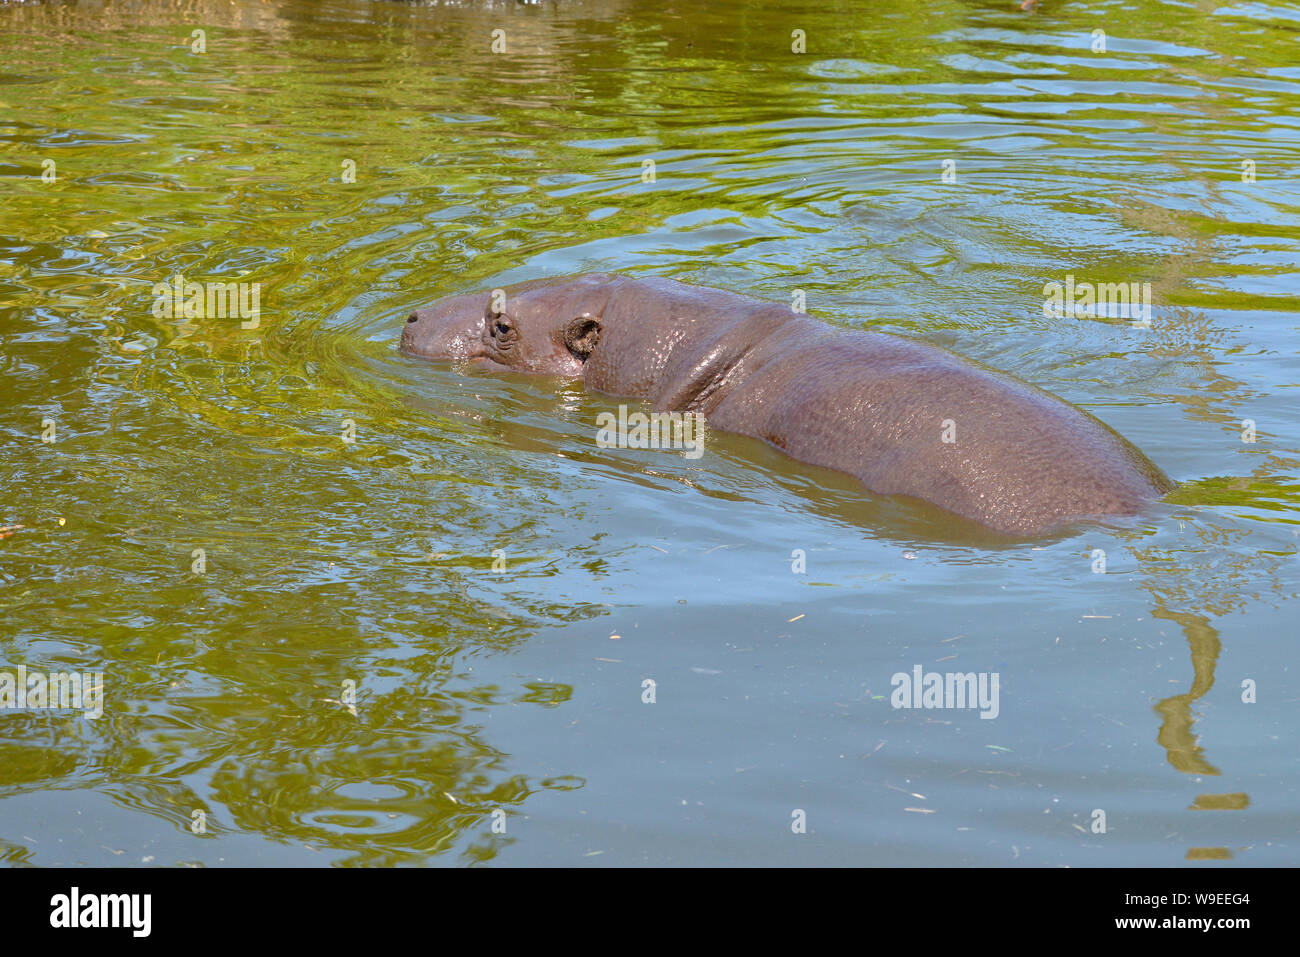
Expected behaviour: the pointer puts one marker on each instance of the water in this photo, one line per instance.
(498, 712)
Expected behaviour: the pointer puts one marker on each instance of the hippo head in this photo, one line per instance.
(544, 327)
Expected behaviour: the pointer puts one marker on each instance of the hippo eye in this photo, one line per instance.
(501, 325)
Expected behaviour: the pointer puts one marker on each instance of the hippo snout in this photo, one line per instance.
(450, 329)
(423, 335)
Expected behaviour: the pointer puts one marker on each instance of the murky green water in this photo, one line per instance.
(1161, 692)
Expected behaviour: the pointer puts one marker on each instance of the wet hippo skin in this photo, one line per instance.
(1023, 463)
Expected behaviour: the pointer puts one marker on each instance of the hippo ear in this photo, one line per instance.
(581, 336)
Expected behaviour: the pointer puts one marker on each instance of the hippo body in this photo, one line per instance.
(904, 417)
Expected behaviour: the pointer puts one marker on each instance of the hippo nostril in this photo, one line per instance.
(413, 317)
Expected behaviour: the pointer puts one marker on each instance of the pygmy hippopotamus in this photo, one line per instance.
(904, 417)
